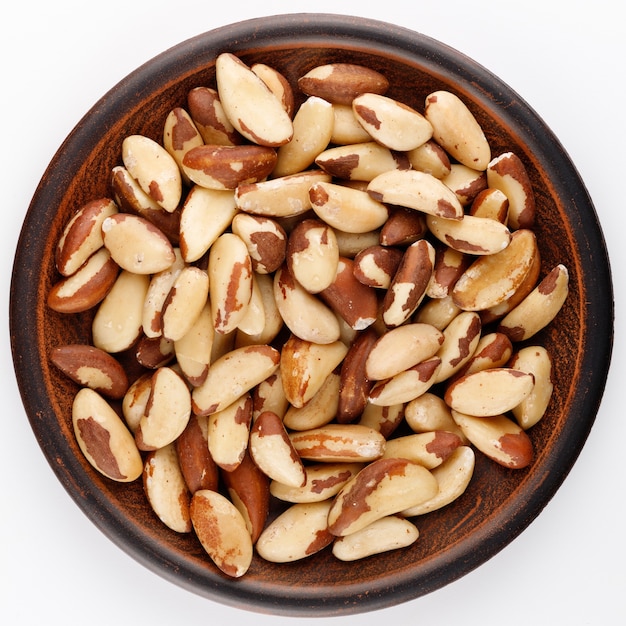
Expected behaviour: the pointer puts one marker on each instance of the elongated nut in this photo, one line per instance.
(251, 107)
(339, 442)
(497, 437)
(248, 489)
(384, 419)
(416, 190)
(205, 215)
(303, 313)
(406, 385)
(539, 307)
(384, 487)
(349, 298)
(391, 123)
(269, 395)
(401, 348)
(226, 167)
(489, 392)
(456, 129)
(265, 239)
(154, 352)
(230, 281)
(340, 83)
(209, 117)
(359, 161)
(277, 84)
(466, 182)
(222, 531)
(323, 481)
(87, 287)
(305, 365)
(91, 367)
(270, 324)
(232, 375)
(184, 303)
(82, 235)
(118, 321)
(135, 400)
(158, 291)
(154, 169)
(493, 350)
(131, 198)
(273, 451)
(287, 196)
(376, 266)
(196, 463)
(354, 382)
(313, 255)
(428, 449)
(409, 284)
(103, 438)
(534, 360)
(453, 476)
(298, 532)
(471, 235)
(312, 131)
(494, 278)
(461, 338)
(229, 432)
(167, 411)
(508, 174)
(166, 490)
(491, 203)
(450, 264)
(321, 409)
(180, 135)
(347, 209)
(193, 349)
(383, 535)
(404, 227)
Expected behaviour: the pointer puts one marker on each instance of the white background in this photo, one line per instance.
(564, 58)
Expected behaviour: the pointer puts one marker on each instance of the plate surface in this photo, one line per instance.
(499, 503)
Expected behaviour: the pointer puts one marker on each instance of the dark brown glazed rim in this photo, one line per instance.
(499, 503)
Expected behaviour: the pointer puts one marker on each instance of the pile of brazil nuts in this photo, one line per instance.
(295, 283)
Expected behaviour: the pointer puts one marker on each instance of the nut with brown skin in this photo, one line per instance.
(103, 438)
(453, 476)
(384, 487)
(387, 533)
(265, 239)
(320, 410)
(226, 167)
(228, 432)
(298, 532)
(156, 171)
(180, 135)
(166, 490)
(340, 83)
(251, 107)
(361, 161)
(428, 449)
(232, 375)
(391, 123)
(273, 452)
(455, 129)
(416, 190)
(205, 215)
(209, 117)
(497, 437)
(196, 463)
(87, 287)
(222, 531)
(82, 235)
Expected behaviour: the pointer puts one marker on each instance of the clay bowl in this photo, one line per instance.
(499, 502)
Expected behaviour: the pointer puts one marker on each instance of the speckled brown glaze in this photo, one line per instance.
(499, 502)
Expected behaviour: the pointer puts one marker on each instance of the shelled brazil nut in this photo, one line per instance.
(332, 307)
